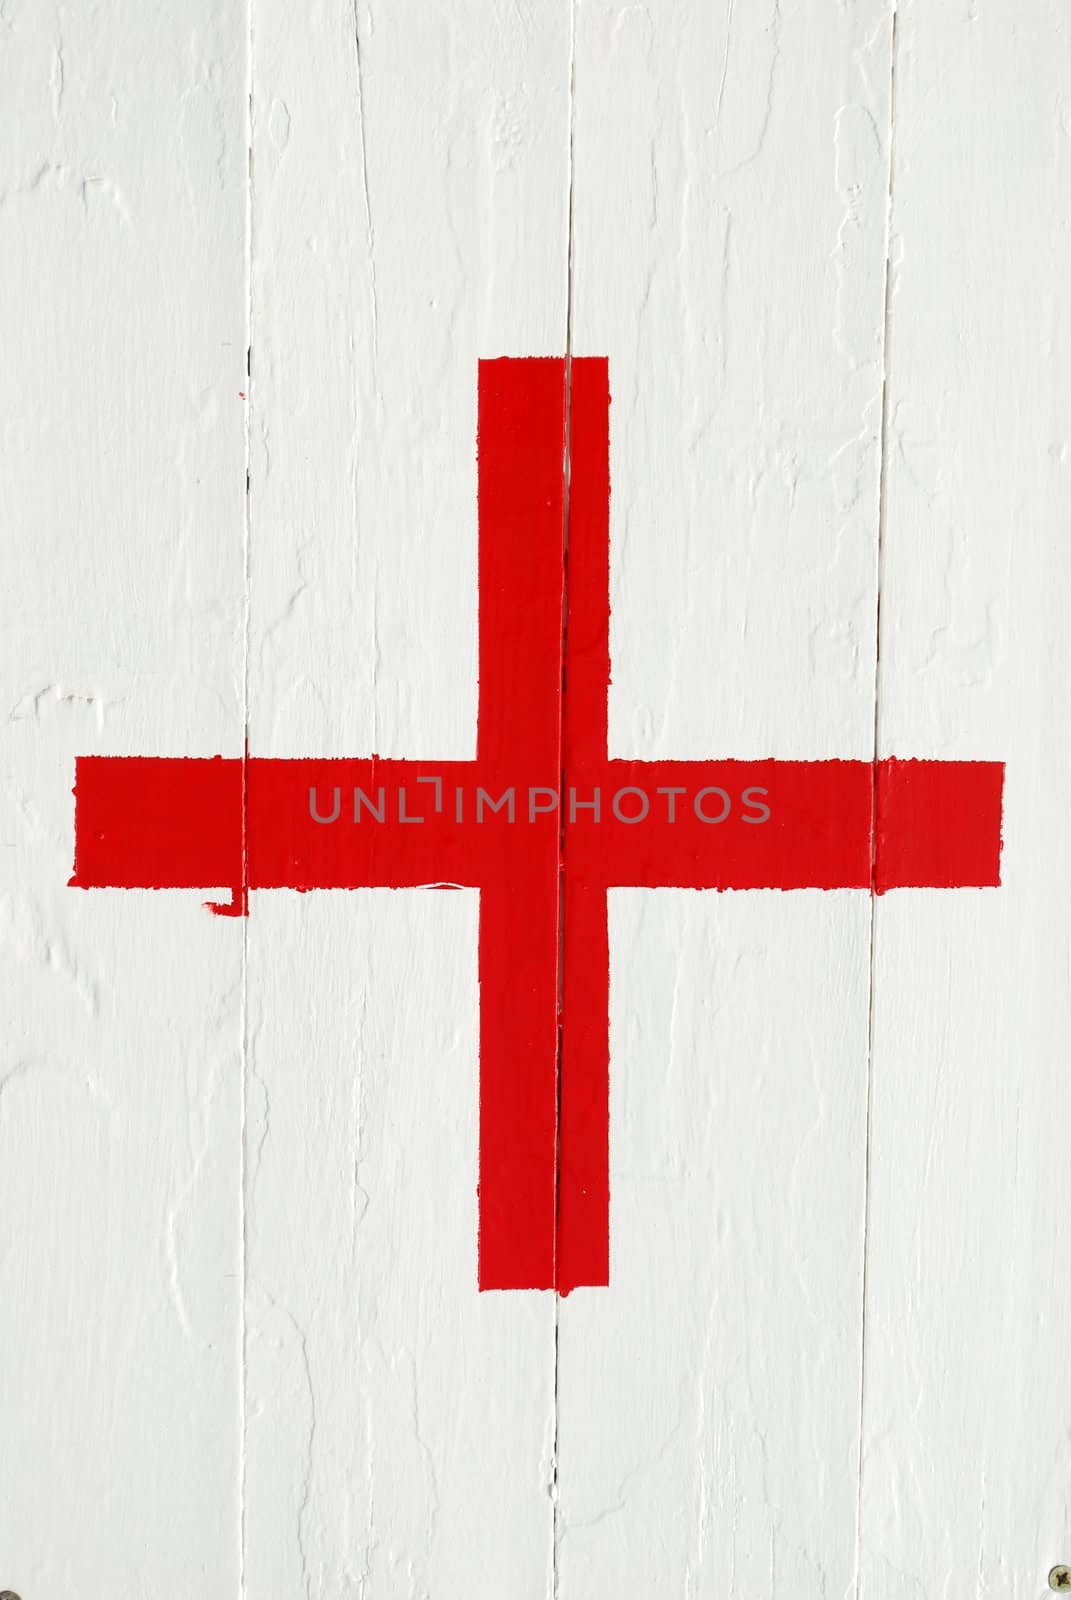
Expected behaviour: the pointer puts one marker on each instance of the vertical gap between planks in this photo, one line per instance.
(244, 889)
(883, 446)
(359, 1051)
(566, 467)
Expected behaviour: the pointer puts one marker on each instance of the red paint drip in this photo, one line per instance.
(144, 822)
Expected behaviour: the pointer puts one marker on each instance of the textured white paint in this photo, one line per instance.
(410, 213)
(709, 1403)
(968, 1394)
(122, 300)
(241, 1349)
(730, 205)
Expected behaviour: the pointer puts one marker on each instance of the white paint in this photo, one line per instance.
(731, 184)
(968, 1455)
(241, 1348)
(121, 238)
(415, 218)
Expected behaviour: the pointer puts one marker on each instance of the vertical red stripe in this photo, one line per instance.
(584, 1094)
(587, 640)
(583, 1136)
(522, 515)
(518, 1039)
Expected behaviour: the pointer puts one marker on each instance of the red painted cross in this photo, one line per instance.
(543, 877)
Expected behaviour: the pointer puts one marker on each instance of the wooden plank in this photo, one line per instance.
(123, 306)
(729, 212)
(410, 189)
(967, 1455)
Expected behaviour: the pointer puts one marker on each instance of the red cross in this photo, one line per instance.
(144, 822)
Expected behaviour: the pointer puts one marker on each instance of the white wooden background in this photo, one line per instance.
(827, 252)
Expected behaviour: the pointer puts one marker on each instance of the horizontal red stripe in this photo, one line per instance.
(147, 822)
(938, 825)
(817, 834)
(521, 454)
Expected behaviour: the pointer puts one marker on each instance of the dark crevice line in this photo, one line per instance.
(242, 892)
(370, 238)
(883, 447)
(566, 469)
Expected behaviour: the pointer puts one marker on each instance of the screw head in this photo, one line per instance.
(8, 1594)
(1059, 1578)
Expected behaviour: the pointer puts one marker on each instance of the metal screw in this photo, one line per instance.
(8, 1594)
(1059, 1578)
